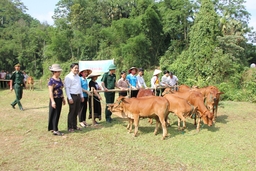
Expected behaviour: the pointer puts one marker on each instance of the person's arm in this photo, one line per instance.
(11, 85)
(117, 86)
(145, 86)
(139, 81)
(103, 80)
(67, 82)
(53, 104)
(153, 80)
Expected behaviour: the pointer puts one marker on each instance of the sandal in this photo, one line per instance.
(70, 130)
(78, 129)
(85, 124)
(57, 133)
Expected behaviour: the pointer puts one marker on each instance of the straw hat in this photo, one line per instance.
(156, 72)
(130, 70)
(84, 69)
(55, 67)
(93, 74)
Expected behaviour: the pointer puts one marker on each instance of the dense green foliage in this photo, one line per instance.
(203, 41)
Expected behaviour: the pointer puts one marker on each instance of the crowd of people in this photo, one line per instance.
(78, 92)
(5, 75)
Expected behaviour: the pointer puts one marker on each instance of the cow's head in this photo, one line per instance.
(207, 117)
(117, 107)
(168, 90)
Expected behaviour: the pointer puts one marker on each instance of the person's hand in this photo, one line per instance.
(89, 94)
(63, 102)
(70, 101)
(82, 99)
(100, 97)
(105, 89)
(11, 88)
(54, 105)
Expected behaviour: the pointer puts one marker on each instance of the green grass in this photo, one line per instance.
(25, 143)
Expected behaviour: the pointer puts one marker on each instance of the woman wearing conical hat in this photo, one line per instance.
(155, 80)
(85, 86)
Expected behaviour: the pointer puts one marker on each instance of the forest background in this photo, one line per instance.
(204, 42)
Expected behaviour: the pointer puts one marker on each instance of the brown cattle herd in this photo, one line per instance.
(188, 102)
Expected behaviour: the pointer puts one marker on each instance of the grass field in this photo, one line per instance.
(26, 144)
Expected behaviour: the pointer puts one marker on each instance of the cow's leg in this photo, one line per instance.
(178, 123)
(129, 126)
(162, 120)
(167, 120)
(136, 124)
(198, 125)
(181, 117)
(157, 126)
(150, 120)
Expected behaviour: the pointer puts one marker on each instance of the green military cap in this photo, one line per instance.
(112, 66)
(17, 65)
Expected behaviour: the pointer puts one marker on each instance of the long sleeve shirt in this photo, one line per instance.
(73, 85)
(141, 82)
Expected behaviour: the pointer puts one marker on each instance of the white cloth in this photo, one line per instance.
(73, 85)
(141, 82)
(173, 81)
(25, 77)
(154, 81)
(2, 75)
(165, 80)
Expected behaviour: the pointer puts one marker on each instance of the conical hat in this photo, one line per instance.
(82, 69)
(157, 71)
(93, 74)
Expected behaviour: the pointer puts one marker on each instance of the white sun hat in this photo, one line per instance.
(156, 72)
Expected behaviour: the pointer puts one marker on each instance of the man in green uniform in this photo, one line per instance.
(109, 82)
(17, 81)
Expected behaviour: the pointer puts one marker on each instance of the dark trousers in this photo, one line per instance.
(134, 93)
(54, 114)
(158, 92)
(3, 84)
(110, 98)
(83, 109)
(74, 111)
(123, 94)
(18, 92)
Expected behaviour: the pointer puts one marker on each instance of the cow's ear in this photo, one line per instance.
(220, 93)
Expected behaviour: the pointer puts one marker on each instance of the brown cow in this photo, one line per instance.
(196, 99)
(145, 92)
(134, 108)
(181, 108)
(184, 88)
(212, 97)
(30, 83)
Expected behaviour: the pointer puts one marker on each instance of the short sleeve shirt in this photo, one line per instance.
(109, 80)
(132, 79)
(57, 87)
(84, 84)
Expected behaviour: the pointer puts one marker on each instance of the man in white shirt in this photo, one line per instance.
(173, 80)
(165, 79)
(74, 95)
(140, 79)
